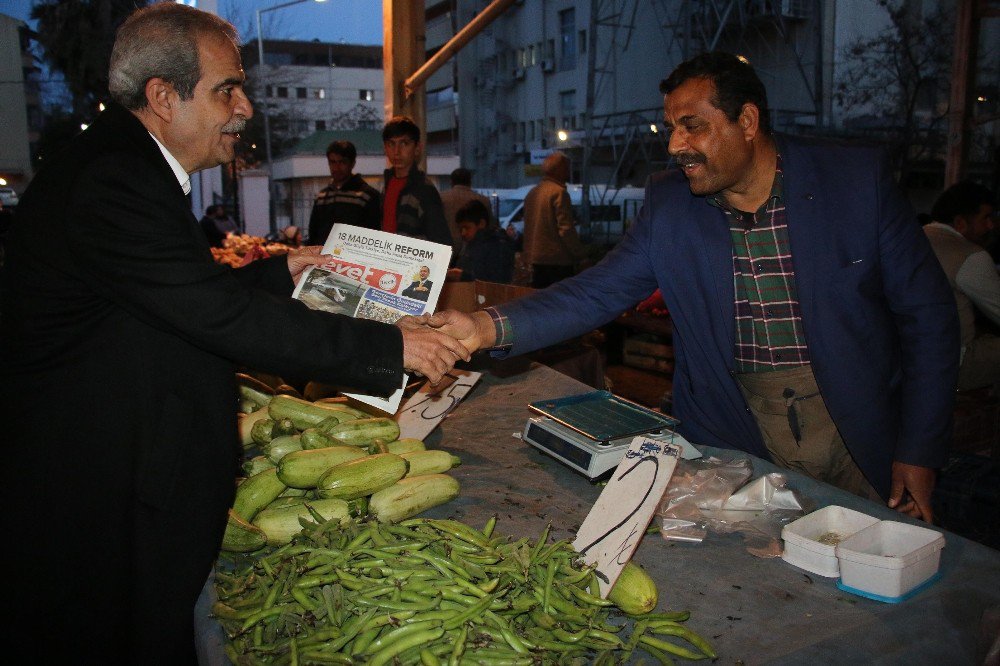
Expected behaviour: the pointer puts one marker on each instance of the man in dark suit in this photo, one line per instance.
(118, 345)
(812, 323)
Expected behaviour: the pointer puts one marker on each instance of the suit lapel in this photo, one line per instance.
(806, 234)
(717, 247)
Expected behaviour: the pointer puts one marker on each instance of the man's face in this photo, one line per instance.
(340, 167)
(467, 230)
(401, 153)
(712, 151)
(203, 130)
(978, 225)
(424, 272)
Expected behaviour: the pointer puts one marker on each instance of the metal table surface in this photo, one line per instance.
(753, 610)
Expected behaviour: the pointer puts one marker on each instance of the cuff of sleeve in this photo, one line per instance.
(504, 332)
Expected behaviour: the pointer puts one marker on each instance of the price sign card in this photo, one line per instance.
(617, 521)
(427, 407)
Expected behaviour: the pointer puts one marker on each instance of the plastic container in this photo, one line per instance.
(811, 541)
(889, 561)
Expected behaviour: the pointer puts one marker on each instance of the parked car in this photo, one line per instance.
(8, 197)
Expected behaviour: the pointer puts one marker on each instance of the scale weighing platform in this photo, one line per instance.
(592, 431)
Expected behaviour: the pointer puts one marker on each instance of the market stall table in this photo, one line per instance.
(753, 610)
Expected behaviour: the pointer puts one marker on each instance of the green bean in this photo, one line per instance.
(686, 634)
(468, 614)
(386, 654)
(490, 524)
(459, 648)
(671, 648)
(364, 639)
(427, 658)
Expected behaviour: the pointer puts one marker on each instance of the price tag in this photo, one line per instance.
(427, 407)
(617, 521)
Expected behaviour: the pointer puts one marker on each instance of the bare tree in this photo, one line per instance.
(895, 85)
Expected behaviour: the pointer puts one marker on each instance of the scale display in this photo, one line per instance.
(602, 416)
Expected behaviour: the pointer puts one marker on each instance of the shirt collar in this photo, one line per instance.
(777, 191)
(182, 176)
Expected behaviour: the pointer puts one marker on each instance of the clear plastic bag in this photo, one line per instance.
(709, 495)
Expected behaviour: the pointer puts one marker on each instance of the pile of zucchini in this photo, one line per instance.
(430, 591)
(326, 460)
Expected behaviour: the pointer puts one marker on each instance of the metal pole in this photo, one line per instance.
(272, 190)
(272, 223)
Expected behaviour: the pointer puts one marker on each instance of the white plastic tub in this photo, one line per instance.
(889, 559)
(811, 541)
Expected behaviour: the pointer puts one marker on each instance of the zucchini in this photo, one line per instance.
(342, 404)
(262, 431)
(303, 469)
(257, 464)
(312, 438)
(360, 432)
(283, 427)
(363, 476)
(256, 492)
(430, 462)
(253, 390)
(634, 592)
(304, 414)
(405, 445)
(246, 423)
(279, 447)
(241, 536)
(280, 524)
(291, 492)
(412, 495)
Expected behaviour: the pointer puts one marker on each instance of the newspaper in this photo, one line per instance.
(376, 275)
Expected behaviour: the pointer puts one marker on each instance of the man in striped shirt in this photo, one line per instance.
(812, 323)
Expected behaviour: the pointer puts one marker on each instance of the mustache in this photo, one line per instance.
(237, 124)
(689, 158)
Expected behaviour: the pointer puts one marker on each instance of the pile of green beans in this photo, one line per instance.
(429, 591)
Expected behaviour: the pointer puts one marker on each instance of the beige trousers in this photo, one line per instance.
(797, 429)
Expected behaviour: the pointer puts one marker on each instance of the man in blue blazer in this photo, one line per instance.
(812, 323)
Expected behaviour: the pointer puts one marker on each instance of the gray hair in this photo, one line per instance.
(161, 41)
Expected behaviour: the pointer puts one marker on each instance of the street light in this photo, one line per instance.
(267, 124)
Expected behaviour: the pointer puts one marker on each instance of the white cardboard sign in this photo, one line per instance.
(617, 521)
(427, 407)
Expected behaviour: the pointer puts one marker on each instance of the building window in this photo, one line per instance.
(366, 95)
(301, 93)
(269, 91)
(567, 108)
(319, 93)
(533, 54)
(582, 46)
(320, 125)
(282, 91)
(567, 39)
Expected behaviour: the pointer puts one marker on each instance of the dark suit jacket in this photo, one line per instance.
(412, 292)
(877, 311)
(118, 345)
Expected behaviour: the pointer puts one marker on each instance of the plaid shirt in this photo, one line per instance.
(769, 332)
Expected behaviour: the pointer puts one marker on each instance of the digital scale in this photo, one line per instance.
(592, 431)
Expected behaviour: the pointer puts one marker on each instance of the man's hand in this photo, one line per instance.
(302, 258)
(911, 490)
(474, 331)
(427, 351)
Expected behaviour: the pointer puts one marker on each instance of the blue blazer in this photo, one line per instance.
(879, 317)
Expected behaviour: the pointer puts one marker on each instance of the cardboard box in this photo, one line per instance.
(477, 294)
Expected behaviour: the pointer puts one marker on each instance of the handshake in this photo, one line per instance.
(432, 344)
